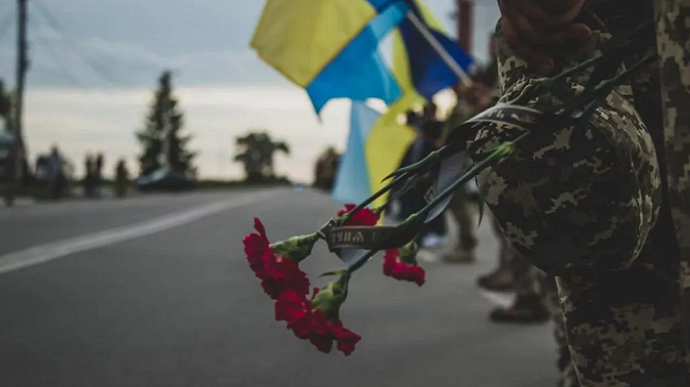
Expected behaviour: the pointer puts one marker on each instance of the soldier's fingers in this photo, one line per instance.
(541, 18)
(538, 61)
(520, 25)
(559, 6)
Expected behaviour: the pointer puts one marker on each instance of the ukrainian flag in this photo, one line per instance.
(329, 48)
(389, 139)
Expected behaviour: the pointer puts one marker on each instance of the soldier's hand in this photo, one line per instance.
(529, 26)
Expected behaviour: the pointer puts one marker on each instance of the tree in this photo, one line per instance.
(256, 150)
(162, 140)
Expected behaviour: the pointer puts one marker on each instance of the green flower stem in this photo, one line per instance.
(420, 165)
(547, 83)
(398, 175)
(361, 261)
(371, 199)
(499, 153)
(605, 87)
(409, 184)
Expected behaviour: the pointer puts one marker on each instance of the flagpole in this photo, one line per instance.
(440, 50)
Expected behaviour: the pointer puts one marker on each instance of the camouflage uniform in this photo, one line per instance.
(594, 207)
(673, 44)
(545, 285)
(460, 206)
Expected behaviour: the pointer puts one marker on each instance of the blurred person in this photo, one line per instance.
(98, 175)
(57, 178)
(431, 136)
(528, 306)
(121, 179)
(461, 203)
(89, 167)
(410, 201)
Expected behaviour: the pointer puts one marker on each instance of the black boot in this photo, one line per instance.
(500, 280)
(527, 309)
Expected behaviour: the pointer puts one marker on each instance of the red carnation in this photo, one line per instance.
(283, 275)
(291, 307)
(392, 267)
(311, 324)
(363, 217)
(346, 338)
(277, 274)
(258, 250)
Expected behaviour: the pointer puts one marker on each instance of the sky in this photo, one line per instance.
(94, 66)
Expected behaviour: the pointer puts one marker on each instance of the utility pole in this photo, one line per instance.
(22, 66)
(465, 21)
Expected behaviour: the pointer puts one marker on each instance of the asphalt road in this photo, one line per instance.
(155, 291)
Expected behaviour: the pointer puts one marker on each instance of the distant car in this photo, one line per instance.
(163, 180)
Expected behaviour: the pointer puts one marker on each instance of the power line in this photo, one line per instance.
(57, 26)
(57, 59)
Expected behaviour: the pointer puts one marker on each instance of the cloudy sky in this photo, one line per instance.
(94, 64)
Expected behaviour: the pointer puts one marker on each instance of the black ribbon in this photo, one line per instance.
(363, 238)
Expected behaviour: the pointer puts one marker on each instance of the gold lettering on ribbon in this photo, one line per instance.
(347, 236)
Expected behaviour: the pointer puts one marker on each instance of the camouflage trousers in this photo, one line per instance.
(544, 285)
(506, 254)
(461, 209)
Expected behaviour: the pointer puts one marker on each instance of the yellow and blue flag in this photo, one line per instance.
(429, 70)
(329, 48)
(352, 179)
(390, 139)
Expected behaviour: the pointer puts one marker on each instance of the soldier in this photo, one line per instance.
(623, 269)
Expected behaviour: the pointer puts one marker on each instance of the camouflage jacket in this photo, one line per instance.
(606, 207)
(673, 43)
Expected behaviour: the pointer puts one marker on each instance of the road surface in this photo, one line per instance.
(155, 291)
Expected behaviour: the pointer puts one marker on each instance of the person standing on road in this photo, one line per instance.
(98, 175)
(55, 165)
(89, 166)
(121, 178)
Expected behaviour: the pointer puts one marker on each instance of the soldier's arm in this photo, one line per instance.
(574, 200)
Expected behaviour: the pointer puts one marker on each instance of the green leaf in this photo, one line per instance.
(296, 248)
(332, 296)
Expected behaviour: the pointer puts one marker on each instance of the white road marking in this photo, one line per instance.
(498, 299)
(48, 252)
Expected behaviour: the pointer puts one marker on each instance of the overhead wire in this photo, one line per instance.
(58, 59)
(5, 24)
(55, 24)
